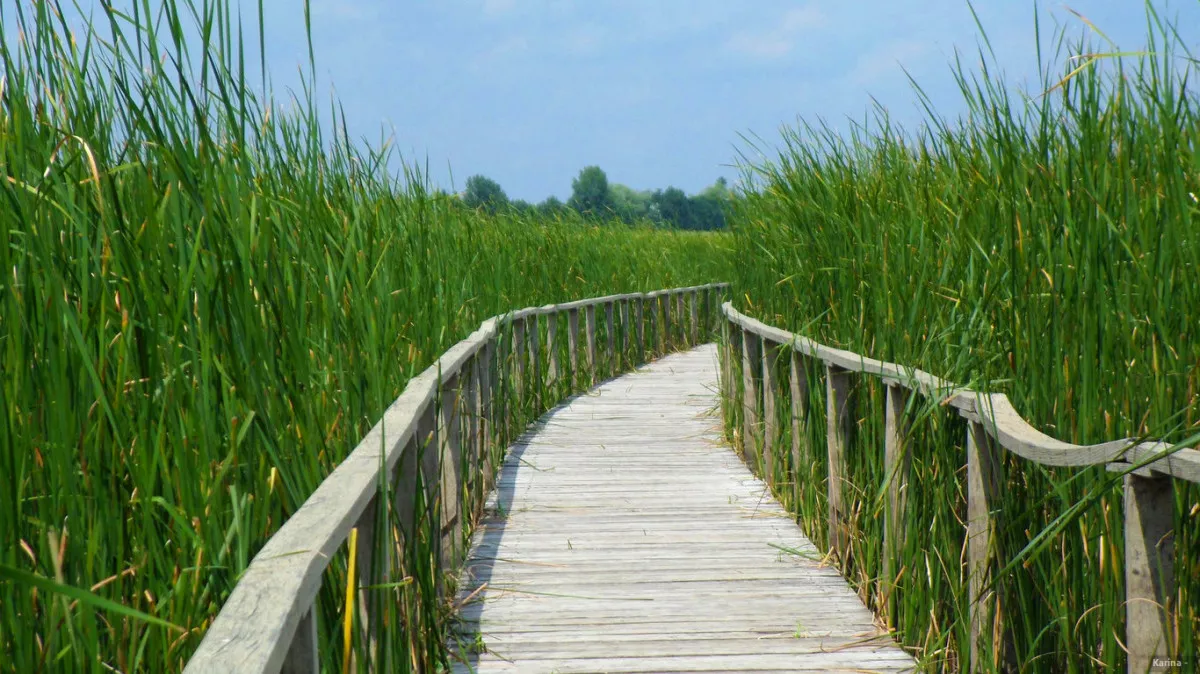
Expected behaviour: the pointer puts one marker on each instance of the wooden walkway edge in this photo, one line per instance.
(625, 536)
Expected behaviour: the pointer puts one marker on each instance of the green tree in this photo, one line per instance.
(590, 193)
(629, 204)
(673, 207)
(483, 192)
(551, 206)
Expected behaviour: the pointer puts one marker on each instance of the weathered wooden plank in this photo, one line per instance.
(259, 620)
(590, 334)
(1149, 571)
(897, 461)
(798, 388)
(770, 433)
(610, 362)
(573, 345)
(590, 560)
(534, 341)
(302, 656)
(554, 371)
(983, 495)
(839, 433)
(751, 355)
(694, 316)
(681, 321)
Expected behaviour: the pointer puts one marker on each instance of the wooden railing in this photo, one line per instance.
(993, 425)
(434, 455)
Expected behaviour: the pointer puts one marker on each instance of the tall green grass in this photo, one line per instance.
(1044, 244)
(206, 301)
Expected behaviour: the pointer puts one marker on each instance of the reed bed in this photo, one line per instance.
(1045, 245)
(207, 299)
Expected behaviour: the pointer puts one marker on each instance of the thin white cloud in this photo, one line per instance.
(886, 60)
(498, 7)
(780, 39)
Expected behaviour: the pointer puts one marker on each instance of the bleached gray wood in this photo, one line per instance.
(552, 349)
(668, 323)
(257, 625)
(626, 536)
(681, 321)
(897, 462)
(1149, 570)
(626, 333)
(302, 656)
(838, 435)
(590, 334)
(450, 462)
(770, 433)
(751, 353)
(573, 345)
(534, 340)
(610, 337)
(371, 571)
(694, 315)
(520, 384)
(801, 451)
(983, 495)
(473, 411)
(1002, 421)
(639, 319)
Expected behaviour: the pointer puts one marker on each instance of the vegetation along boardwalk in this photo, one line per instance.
(626, 536)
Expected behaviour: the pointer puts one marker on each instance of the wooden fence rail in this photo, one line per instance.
(993, 425)
(433, 457)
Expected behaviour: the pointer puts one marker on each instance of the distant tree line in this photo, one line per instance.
(593, 196)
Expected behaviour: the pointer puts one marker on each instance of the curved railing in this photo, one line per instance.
(430, 461)
(1148, 467)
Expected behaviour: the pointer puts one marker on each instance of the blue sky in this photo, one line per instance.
(655, 92)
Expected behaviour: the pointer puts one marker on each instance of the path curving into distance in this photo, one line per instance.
(626, 536)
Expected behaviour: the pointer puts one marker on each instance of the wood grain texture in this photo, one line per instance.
(1001, 420)
(625, 536)
(839, 430)
(897, 462)
(1149, 569)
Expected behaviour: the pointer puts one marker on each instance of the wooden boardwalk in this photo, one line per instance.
(625, 537)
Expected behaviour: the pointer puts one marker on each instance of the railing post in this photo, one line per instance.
(611, 367)
(897, 460)
(732, 352)
(983, 495)
(534, 341)
(473, 465)
(573, 345)
(681, 320)
(518, 356)
(450, 453)
(487, 392)
(694, 304)
(590, 329)
(664, 303)
(429, 457)
(1149, 570)
(552, 348)
(770, 385)
(839, 429)
(639, 310)
(302, 656)
(653, 324)
(751, 352)
(798, 385)
(371, 571)
(625, 335)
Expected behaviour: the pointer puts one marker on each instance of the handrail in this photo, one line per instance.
(269, 620)
(1148, 467)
